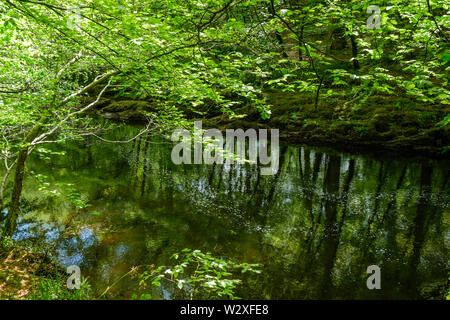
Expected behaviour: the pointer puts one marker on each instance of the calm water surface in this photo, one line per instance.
(315, 226)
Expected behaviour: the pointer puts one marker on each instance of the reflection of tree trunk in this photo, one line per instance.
(308, 188)
(300, 169)
(345, 191)
(169, 193)
(307, 160)
(394, 198)
(146, 161)
(258, 179)
(137, 147)
(408, 197)
(219, 184)
(389, 221)
(381, 181)
(230, 180)
(315, 174)
(370, 237)
(162, 170)
(120, 165)
(381, 176)
(88, 144)
(141, 164)
(211, 175)
(420, 223)
(248, 181)
(259, 203)
(309, 194)
(316, 169)
(253, 200)
(240, 180)
(277, 175)
(331, 236)
(309, 185)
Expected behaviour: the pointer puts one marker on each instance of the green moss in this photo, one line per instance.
(380, 120)
(128, 105)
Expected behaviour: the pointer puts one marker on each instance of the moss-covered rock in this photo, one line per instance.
(381, 122)
(127, 110)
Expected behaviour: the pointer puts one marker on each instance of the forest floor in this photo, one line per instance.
(381, 124)
(20, 269)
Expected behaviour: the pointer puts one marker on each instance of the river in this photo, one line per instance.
(315, 226)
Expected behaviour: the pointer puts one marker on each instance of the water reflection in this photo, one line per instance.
(315, 225)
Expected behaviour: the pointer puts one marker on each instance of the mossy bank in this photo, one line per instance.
(378, 124)
(30, 272)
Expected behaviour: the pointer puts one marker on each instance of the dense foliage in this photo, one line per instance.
(202, 275)
(60, 60)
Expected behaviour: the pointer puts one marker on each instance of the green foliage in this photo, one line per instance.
(76, 199)
(445, 121)
(60, 189)
(6, 245)
(56, 289)
(407, 56)
(208, 57)
(50, 284)
(200, 275)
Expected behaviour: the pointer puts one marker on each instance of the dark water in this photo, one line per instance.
(315, 226)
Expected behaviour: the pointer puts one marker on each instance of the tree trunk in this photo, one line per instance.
(271, 10)
(14, 207)
(354, 52)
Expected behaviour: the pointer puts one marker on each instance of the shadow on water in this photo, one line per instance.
(316, 225)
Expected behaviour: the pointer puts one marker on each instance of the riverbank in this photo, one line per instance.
(20, 268)
(378, 126)
(29, 272)
(381, 124)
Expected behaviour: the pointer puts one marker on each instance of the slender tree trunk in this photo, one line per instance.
(354, 52)
(300, 40)
(271, 9)
(316, 100)
(3, 186)
(14, 207)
